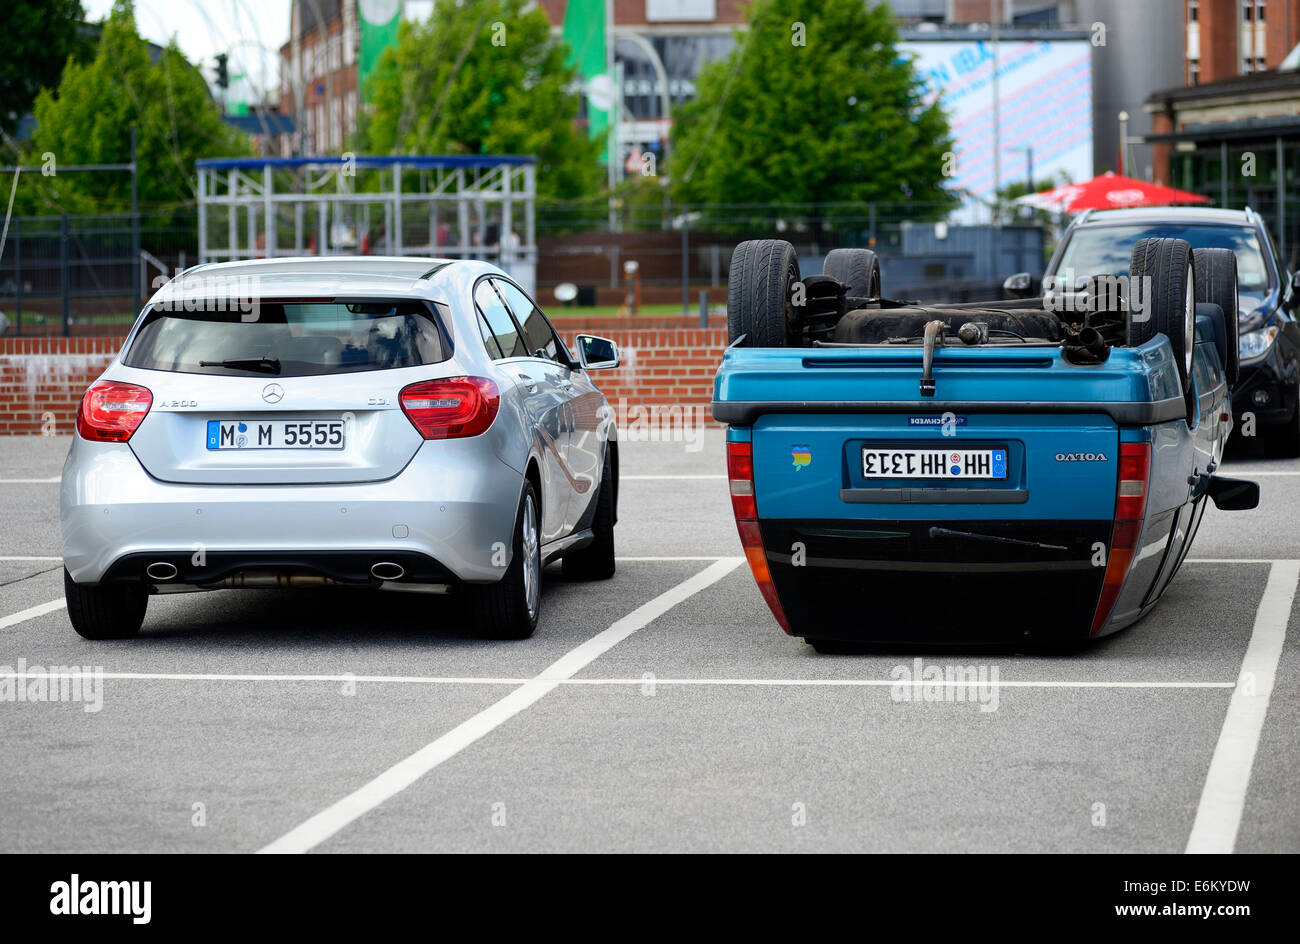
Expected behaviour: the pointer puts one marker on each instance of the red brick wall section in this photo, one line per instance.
(660, 366)
(44, 378)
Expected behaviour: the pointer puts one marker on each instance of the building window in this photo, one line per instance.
(1193, 10)
(1194, 72)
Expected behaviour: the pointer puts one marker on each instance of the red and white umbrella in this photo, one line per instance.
(1110, 191)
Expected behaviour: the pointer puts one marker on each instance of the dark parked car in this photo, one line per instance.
(1265, 397)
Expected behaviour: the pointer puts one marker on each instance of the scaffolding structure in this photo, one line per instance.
(454, 206)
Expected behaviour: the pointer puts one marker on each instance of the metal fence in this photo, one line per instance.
(77, 274)
(673, 251)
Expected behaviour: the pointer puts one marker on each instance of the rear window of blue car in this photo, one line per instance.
(288, 339)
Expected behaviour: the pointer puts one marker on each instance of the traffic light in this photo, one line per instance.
(223, 75)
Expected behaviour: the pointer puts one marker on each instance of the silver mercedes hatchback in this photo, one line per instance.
(395, 423)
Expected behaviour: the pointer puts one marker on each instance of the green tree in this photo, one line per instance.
(482, 78)
(88, 118)
(39, 35)
(814, 104)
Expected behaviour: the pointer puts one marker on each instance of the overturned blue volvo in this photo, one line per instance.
(1016, 472)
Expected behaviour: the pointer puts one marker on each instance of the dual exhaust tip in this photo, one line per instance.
(380, 570)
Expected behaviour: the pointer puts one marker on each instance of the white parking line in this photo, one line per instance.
(1256, 473)
(32, 612)
(5, 560)
(400, 776)
(646, 560)
(29, 481)
(487, 680)
(1218, 816)
(1233, 560)
(669, 478)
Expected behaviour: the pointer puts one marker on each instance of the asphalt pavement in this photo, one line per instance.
(663, 710)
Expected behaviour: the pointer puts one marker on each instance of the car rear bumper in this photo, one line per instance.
(897, 582)
(450, 514)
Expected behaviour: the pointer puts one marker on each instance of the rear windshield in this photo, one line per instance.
(289, 339)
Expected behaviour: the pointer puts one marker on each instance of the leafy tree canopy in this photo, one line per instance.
(814, 104)
(88, 118)
(482, 78)
(39, 35)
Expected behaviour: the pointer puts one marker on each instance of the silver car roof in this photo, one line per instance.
(308, 276)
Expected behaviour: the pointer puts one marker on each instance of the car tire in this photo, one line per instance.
(759, 283)
(857, 269)
(1170, 302)
(1216, 283)
(104, 612)
(509, 608)
(596, 560)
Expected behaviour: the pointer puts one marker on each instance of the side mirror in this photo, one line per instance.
(1233, 494)
(1292, 299)
(597, 353)
(1018, 285)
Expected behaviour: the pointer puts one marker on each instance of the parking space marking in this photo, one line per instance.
(652, 560)
(1223, 799)
(489, 680)
(1234, 560)
(30, 481)
(397, 778)
(31, 612)
(671, 478)
(8, 560)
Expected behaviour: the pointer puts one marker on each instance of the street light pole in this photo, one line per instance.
(1123, 143)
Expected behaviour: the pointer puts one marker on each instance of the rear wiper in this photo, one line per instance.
(265, 363)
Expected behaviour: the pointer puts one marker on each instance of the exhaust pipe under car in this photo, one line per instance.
(161, 570)
(387, 570)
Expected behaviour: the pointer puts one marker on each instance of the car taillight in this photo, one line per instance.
(452, 407)
(1130, 506)
(740, 476)
(111, 411)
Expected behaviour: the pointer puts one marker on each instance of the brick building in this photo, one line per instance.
(1238, 37)
(1232, 131)
(318, 75)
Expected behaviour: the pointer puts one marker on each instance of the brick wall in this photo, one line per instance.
(663, 365)
(42, 379)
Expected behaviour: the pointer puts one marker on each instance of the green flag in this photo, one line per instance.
(585, 32)
(379, 22)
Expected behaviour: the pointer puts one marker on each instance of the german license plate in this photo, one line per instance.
(888, 462)
(275, 434)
